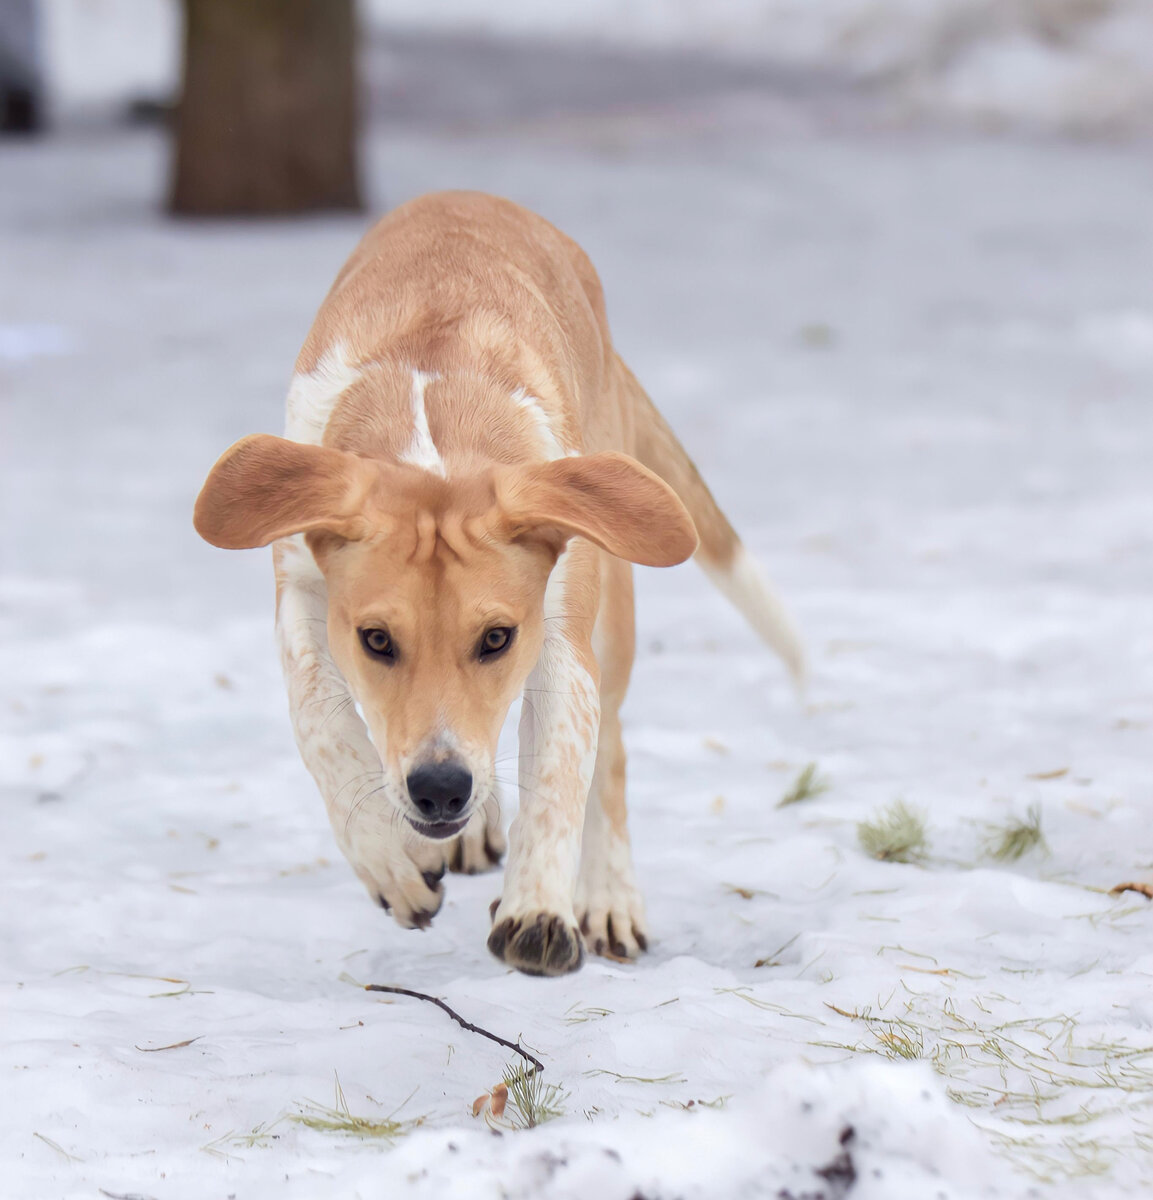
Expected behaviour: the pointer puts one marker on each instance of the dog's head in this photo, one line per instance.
(436, 586)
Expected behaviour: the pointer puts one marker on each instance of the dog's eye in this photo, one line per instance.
(496, 641)
(378, 644)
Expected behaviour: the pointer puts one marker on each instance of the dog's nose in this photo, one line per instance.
(440, 791)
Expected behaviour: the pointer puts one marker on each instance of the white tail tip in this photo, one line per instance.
(749, 591)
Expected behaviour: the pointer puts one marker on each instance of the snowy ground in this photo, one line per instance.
(917, 370)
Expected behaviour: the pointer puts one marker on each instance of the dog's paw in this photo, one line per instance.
(482, 845)
(537, 943)
(611, 914)
(406, 883)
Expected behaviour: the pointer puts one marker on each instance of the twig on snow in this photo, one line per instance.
(538, 1066)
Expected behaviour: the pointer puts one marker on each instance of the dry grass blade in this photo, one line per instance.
(895, 835)
(339, 1118)
(895, 1038)
(806, 785)
(259, 1135)
(1009, 842)
(673, 1078)
(56, 1146)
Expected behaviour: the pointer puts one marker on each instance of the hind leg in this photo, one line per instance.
(608, 903)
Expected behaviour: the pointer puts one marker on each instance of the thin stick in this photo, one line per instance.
(538, 1066)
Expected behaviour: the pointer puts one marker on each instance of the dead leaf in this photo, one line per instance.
(1145, 889)
(499, 1099)
(1057, 774)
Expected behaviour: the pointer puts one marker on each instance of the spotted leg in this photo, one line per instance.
(534, 924)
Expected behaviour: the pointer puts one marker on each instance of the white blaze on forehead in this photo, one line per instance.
(422, 451)
(542, 425)
(313, 395)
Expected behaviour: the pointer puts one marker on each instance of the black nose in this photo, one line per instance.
(440, 791)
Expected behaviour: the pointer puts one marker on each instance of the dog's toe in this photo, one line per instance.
(482, 845)
(612, 915)
(411, 896)
(614, 935)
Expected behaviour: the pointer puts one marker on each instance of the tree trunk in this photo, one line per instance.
(267, 121)
(20, 82)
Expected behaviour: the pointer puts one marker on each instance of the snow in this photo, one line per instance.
(916, 369)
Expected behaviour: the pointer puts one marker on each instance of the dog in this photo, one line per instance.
(467, 474)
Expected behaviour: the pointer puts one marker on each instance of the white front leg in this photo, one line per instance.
(534, 928)
(400, 869)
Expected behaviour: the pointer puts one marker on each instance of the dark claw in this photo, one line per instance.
(456, 859)
(432, 879)
(642, 941)
(498, 939)
(422, 918)
(492, 909)
(616, 947)
(585, 926)
(492, 853)
(384, 904)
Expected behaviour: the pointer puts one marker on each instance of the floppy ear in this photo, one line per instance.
(264, 488)
(608, 498)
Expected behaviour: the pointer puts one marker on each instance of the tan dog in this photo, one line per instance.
(454, 510)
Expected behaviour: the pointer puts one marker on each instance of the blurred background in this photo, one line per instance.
(1056, 65)
(836, 213)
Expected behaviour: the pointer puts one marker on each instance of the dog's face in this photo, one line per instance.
(436, 587)
(435, 632)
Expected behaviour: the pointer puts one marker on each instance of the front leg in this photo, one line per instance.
(534, 926)
(401, 870)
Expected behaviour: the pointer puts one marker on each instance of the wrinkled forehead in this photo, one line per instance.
(428, 565)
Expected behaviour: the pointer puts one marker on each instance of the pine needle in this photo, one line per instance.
(806, 785)
(532, 1101)
(1009, 842)
(897, 834)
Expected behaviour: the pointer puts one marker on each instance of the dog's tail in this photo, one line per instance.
(720, 554)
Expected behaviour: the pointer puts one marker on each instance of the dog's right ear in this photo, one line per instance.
(264, 488)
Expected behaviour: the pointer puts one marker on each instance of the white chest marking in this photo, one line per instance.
(422, 451)
(313, 396)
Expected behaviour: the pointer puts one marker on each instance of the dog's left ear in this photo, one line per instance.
(608, 498)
